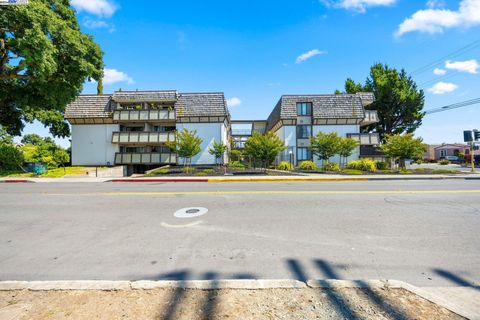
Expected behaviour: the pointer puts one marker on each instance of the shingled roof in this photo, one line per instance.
(325, 106)
(201, 104)
(90, 106)
(187, 105)
(145, 96)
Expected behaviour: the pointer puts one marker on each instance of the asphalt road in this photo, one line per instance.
(423, 232)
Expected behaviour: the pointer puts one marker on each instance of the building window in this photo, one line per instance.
(304, 154)
(443, 153)
(304, 132)
(304, 108)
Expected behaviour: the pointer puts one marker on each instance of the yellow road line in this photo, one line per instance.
(266, 192)
(229, 180)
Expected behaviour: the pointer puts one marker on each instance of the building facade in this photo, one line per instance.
(296, 118)
(132, 128)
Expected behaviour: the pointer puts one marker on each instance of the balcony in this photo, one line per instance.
(371, 117)
(145, 158)
(142, 137)
(365, 139)
(151, 115)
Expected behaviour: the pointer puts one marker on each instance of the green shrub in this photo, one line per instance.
(352, 172)
(382, 165)
(10, 157)
(285, 166)
(444, 162)
(201, 174)
(418, 161)
(208, 171)
(160, 171)
(308, 165)
(363, 165)
(331, 166)
(236, 165)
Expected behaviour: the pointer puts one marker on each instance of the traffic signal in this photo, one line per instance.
(467, 136)
(476, 134)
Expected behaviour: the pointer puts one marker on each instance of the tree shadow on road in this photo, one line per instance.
(455, 278)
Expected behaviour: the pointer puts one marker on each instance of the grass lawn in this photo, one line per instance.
(53, 173)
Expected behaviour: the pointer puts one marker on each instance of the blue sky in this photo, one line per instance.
(255, 51)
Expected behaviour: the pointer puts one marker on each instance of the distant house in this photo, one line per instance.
(453, 149)
(429, 154)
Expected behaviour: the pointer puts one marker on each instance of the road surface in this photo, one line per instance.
(422, 232)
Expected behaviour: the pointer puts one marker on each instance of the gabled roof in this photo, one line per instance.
(201, 104)
(145, 96)
(90, 106)
(325, 106)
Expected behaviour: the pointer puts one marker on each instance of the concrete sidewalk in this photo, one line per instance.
(462, 301)
(218, 179)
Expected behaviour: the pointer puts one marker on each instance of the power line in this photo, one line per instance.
(454, 106)
(441, 60)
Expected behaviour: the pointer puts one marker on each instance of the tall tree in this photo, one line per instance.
(264, 148)
(44, 61)
(398, 100)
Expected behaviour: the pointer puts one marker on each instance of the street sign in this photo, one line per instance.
(467, 136)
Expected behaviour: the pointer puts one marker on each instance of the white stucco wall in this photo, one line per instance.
(342, 131)
(208, 132)
(92, 144)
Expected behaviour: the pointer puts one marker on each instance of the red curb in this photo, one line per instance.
(16, 181)
(158, 180)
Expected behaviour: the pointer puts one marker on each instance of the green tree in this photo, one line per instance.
(44, 61)
(33, 139)
(264, 148)
(403, 147)
(398, 100)
(186, 145)
(346, 148)
(38, 149)
(218, 150)
(10, 156)
(325, 145)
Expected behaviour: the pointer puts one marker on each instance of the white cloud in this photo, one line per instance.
(442, 88)
(357, 5)
(104, 8)
(113, 76)
(470, 66)
(432, 4)
(94, 24)
(233, 102)
(435, 20)
(307, 55)
(439, 72)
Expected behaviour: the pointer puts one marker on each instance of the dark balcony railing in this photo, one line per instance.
(143, 115)
(365, 139)
(145, 158)
(142, 137)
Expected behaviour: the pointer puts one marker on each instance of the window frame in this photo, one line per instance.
(308, 154)
(308, 109)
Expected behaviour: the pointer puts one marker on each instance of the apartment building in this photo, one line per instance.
(132, 128)
(296, 118)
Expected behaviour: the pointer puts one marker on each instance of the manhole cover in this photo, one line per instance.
(190, 212)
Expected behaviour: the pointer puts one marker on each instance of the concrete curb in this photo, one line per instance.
(227, 284)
